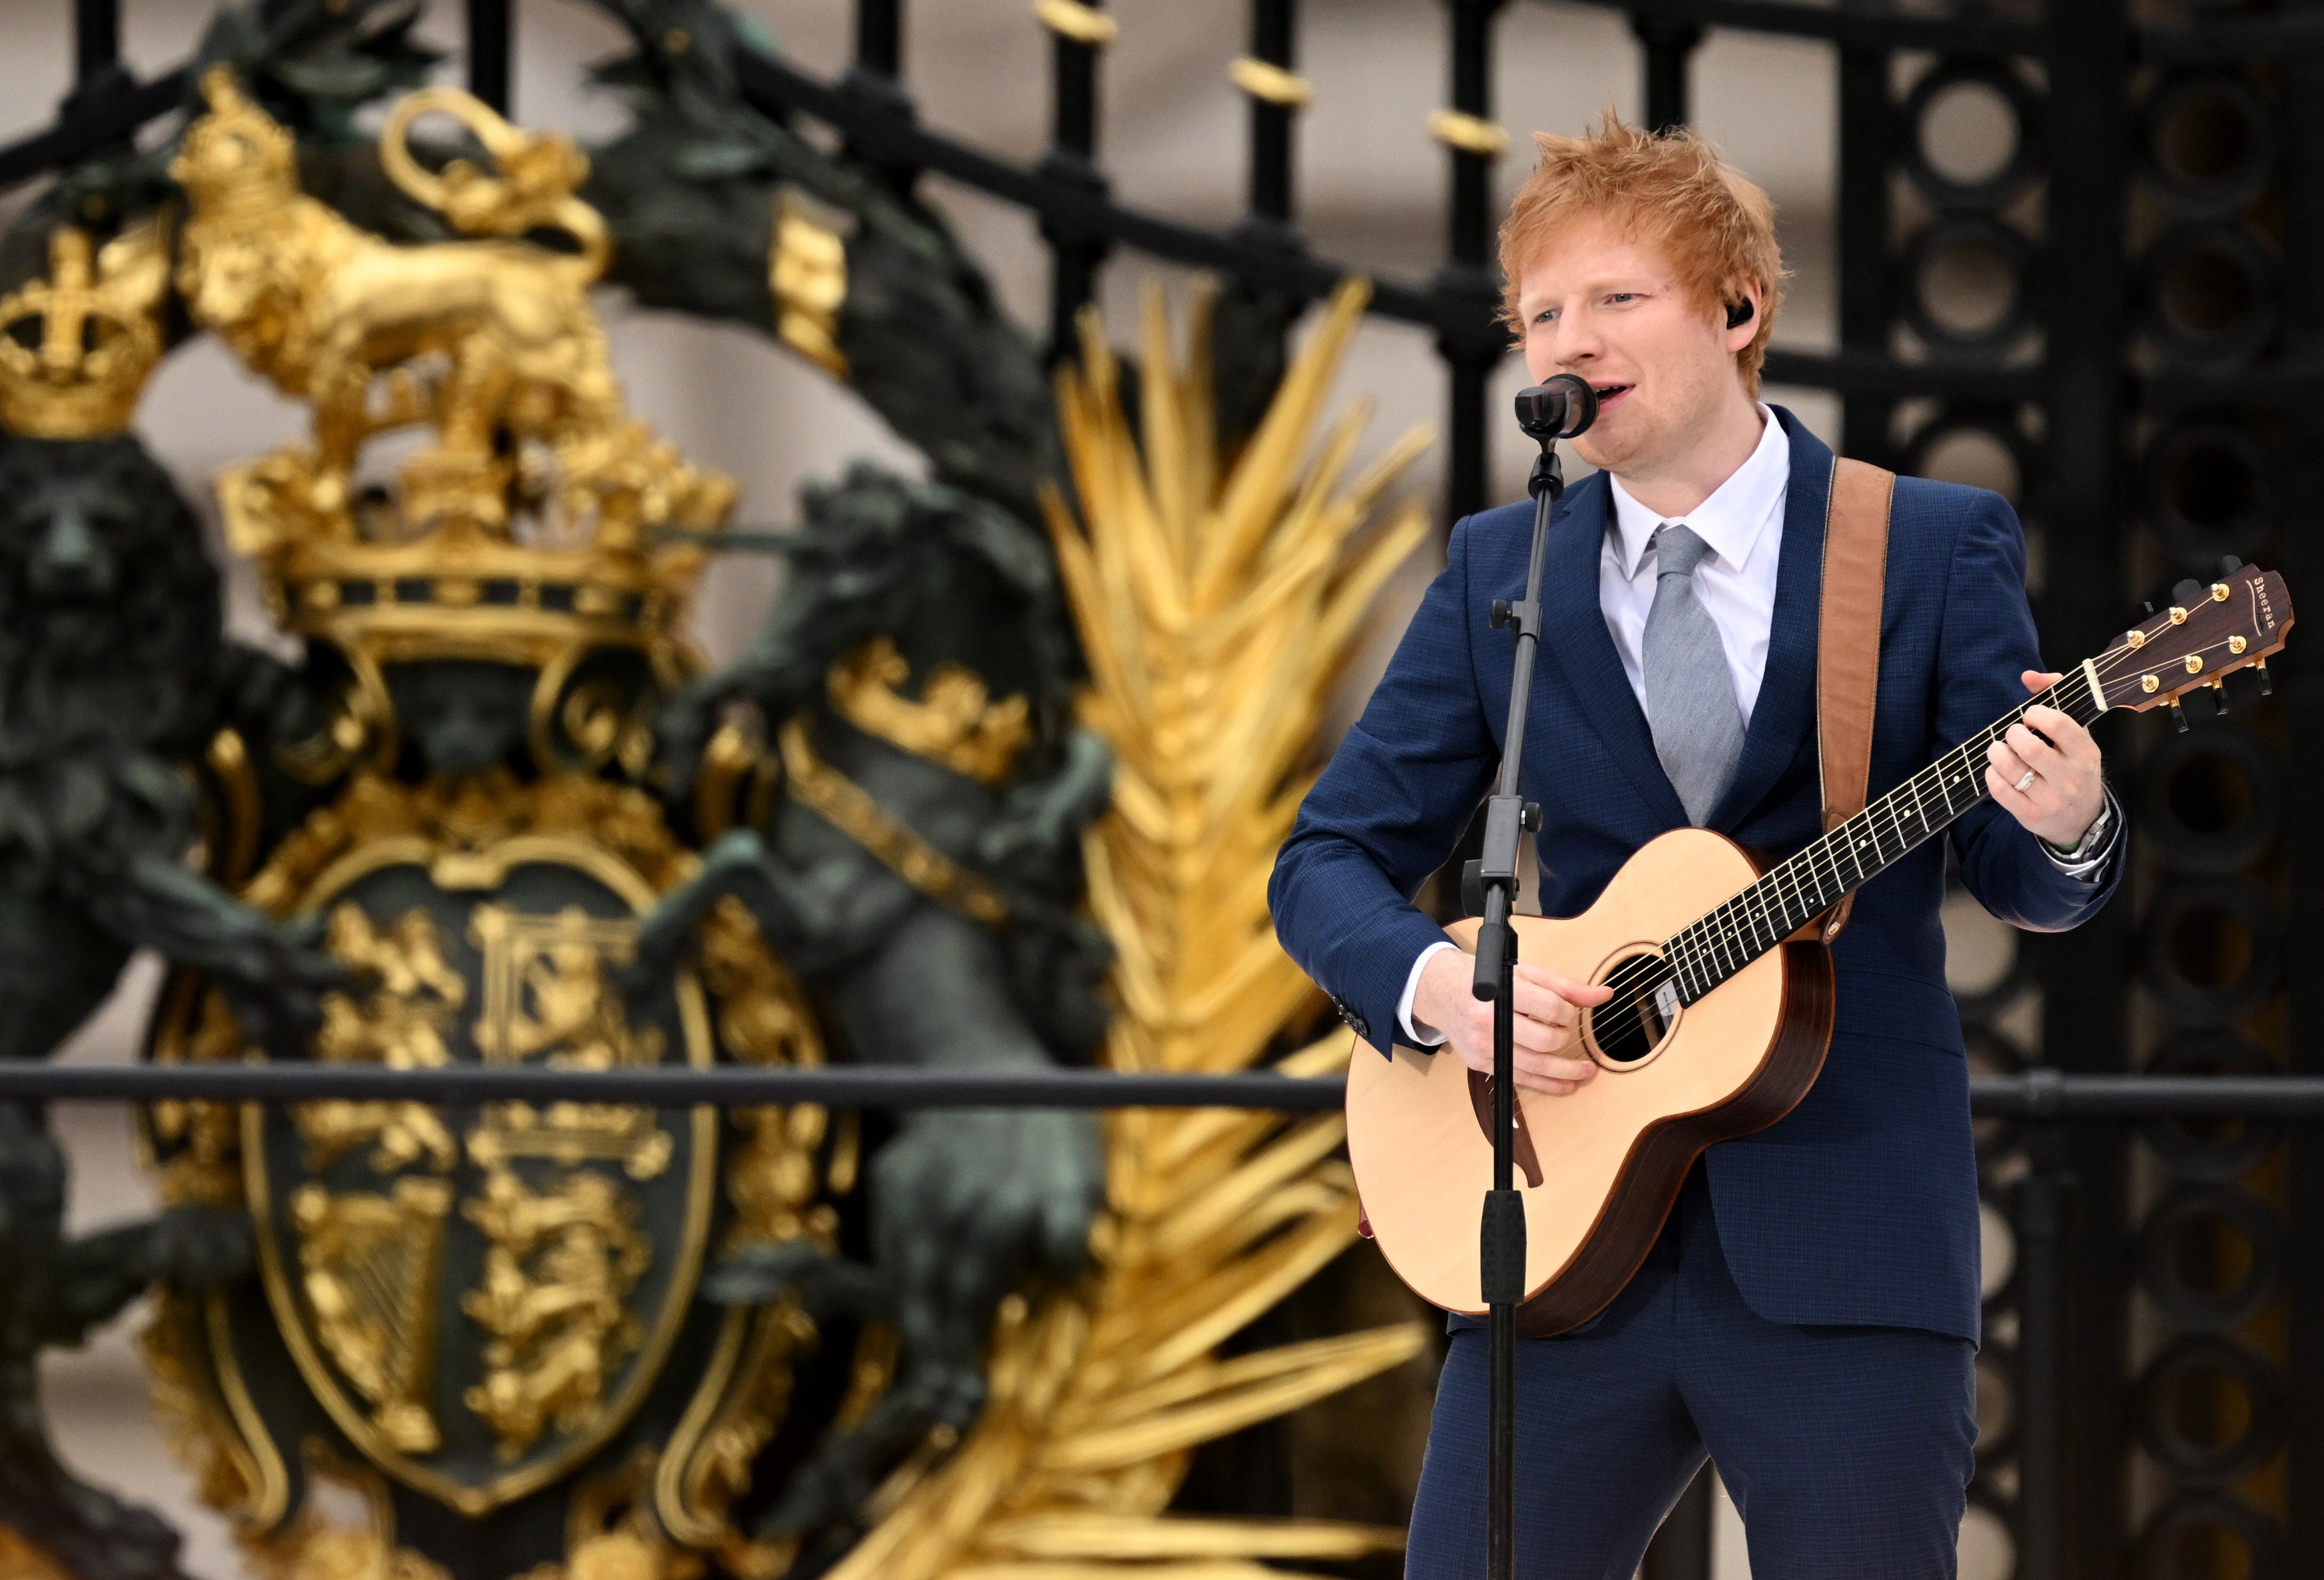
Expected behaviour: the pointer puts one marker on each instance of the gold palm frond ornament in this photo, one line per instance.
(1217, 611)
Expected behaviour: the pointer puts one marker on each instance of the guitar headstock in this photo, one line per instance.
(2236, 620)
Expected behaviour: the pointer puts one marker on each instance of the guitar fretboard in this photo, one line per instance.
(1714, 947)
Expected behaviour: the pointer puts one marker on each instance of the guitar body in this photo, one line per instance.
(1600, 1168)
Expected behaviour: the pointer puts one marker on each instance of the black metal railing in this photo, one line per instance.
(2085, 380)
(1067, 192)
(2040, 1095)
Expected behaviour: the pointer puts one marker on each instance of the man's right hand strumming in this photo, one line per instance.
(1547, 1032)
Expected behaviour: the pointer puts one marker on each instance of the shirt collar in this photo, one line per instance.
(1733, 519)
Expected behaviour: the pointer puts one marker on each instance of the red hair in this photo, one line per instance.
(1715, 225)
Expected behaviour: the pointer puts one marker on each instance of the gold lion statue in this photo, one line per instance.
(474, 337)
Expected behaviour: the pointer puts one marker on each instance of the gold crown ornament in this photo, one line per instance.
(525, 528)
(530, 590)
(75, 347)
(517, 591)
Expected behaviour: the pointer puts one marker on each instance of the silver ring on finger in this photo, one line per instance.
(2027, 780)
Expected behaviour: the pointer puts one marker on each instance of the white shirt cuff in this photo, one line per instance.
(2090, 866)
(1417, 1036)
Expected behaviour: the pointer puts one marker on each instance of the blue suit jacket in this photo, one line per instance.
(1860, 1208)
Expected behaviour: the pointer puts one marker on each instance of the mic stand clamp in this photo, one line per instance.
(1508, 815)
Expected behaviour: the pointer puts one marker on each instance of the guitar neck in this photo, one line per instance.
(1714, 947)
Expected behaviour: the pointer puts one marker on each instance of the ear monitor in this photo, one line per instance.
(1739, 313)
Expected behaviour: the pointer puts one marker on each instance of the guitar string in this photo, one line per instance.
(1682, 957)
(1681, 952)
(1800, 886)
(1713, 946)
(1717, 948)
(1699, 959)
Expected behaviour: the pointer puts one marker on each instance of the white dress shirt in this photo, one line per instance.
(1741, 524)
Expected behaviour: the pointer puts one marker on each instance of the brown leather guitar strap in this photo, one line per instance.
(1848, 643)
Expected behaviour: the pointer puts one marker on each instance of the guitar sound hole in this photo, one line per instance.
(1628, 1028)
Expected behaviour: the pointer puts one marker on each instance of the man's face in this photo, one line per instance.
(1601, 303)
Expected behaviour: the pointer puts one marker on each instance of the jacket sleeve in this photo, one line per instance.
(1987, 640)
(1386, 812)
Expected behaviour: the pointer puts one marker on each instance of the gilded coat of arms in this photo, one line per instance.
(383, 1227)
(997, 784)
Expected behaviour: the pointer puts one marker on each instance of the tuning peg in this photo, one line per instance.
(2229, 565)
(2188, 592)
(2266, 686)
(2219, 697)
(2147, 609)
(2177, 715)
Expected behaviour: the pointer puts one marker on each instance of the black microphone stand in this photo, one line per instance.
(1507, 817)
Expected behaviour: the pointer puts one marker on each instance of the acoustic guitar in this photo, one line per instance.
(1722, 1007)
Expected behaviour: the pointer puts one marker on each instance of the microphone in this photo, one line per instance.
(1558, 407)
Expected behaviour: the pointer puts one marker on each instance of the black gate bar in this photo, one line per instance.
(2039, 1094)
(97, 37)
(491, 50)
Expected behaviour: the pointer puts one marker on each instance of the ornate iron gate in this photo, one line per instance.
(2147, 366)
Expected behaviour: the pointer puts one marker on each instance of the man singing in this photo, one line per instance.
(1809, 1317)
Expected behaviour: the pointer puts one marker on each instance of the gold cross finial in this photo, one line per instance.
(98, 335)
(64, 302)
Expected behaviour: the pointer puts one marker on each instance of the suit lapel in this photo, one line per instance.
(1574, 630)
(1786, 710)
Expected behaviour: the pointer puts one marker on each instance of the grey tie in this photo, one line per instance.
(1690, 692)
